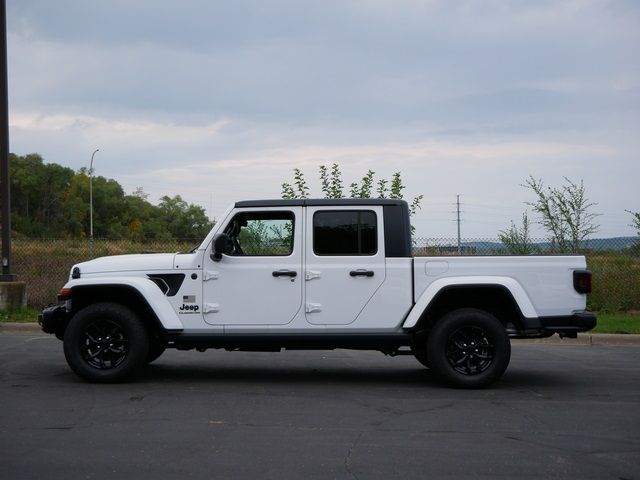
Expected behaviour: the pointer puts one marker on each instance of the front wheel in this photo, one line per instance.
(469, 348)
(105, 342)
(156, 348)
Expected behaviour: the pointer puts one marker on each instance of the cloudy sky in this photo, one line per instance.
(219, 100)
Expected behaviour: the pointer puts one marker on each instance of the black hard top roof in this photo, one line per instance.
(316, 202)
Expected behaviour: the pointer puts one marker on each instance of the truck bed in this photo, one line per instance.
(546, 281)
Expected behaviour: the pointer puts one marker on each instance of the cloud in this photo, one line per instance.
(486, 174)
(127, 133)
(227, 97)
(348, 62)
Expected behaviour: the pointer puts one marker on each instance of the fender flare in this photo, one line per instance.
(513, 286)
(147, 289)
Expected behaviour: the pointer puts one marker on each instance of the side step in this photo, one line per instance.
(269, 342)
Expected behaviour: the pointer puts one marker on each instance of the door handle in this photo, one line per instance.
(284, 273)
(361, 273)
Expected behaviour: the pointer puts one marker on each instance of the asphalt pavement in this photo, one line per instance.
(561, 411)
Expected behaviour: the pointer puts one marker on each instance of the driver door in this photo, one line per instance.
(259, 282)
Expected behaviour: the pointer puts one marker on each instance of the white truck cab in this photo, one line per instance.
(316, 274)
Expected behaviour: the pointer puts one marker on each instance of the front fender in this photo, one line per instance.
(155, 298)
(513, 286)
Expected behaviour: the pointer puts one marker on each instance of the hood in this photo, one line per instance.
(128, 263)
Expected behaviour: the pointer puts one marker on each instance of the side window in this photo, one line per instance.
(262, 233)
(345, 232)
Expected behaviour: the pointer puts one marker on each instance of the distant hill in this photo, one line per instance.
(614, 243)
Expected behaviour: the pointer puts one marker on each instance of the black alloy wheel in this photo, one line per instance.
(106, 342)
(468, 348)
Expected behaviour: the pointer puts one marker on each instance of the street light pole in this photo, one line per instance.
(91, 196)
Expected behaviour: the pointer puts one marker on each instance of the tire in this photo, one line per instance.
(421, 356)
(419, 349)
(105, 343)
(156, 348)
(468, 348)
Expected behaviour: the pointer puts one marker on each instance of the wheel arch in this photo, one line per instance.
(508, 304)
(126, 295)
(140, 295)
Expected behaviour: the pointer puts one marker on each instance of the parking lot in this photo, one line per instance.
(560, 412)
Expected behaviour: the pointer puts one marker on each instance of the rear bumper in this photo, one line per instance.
(566, 325)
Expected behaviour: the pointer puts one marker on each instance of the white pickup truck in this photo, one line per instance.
(316, 274)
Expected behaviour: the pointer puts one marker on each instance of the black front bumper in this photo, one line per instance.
(565, 326)
(53, 319)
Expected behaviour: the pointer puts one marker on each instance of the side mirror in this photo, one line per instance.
(220, 245)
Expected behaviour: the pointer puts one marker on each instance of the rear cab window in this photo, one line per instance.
(345, 232)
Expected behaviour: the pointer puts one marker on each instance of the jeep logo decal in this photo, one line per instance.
(193, 308)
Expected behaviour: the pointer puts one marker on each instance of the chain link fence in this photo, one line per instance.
(45, 264)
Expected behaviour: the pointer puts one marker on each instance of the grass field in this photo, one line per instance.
(618, 323)
(607, 322)
(22, 315)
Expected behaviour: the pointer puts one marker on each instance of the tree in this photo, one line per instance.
(300, 191)
(76, 206)
(140, 193)
(37, 195)
(363, 189)
(49, 200)
(331, 185)
(142, 219)
(565, 213)
(517, 239)
(635, 220)
(635, 223)
(331, 182)
(109, 207)
(184, 221)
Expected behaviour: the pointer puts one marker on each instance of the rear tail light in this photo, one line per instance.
(582, 281)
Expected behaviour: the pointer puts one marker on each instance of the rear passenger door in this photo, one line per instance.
(345, 262)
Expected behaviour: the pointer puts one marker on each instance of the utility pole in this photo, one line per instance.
(13, 294)
(7, 276)
(458, 220)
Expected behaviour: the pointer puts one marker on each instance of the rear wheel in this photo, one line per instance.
(105, 342)
(421, 356)
(419, 349)
(469, 348)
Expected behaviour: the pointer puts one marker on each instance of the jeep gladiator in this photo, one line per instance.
(316, 274)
